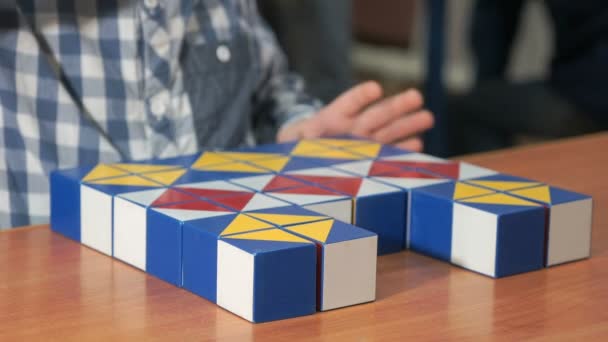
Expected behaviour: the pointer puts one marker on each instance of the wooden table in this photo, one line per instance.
(53, 288)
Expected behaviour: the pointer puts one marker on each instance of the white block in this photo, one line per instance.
(130, 222)
(569, 232)
(235, 280)
(474, 239)
(96, 219)
(349, 272)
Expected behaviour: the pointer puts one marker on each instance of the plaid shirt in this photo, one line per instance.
(88, 81)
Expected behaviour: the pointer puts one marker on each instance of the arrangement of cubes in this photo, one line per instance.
(285, 230)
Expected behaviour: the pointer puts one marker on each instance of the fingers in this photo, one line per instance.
(413, 144)
(404, 127)
(304, 129)
(355, 100)
(385, 112)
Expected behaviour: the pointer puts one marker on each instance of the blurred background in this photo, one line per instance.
(497, 73)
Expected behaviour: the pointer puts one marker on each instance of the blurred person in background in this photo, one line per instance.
(89, 81)
(572, 100)
(316, 36)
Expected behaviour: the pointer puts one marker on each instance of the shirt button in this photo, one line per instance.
(223, 53)
(151, 4)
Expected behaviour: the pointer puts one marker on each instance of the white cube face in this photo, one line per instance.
(569, 232)
(349, 273)
(96, 219)
(341, 210)
(130, 232)
(235, 269)
(474, 239)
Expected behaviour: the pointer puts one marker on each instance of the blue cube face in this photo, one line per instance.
(430, 230)
(65, 204)
(164, 247)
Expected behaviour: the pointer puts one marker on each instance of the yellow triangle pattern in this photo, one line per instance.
(235, 167)
(306, 147)
(282, 219)
(539, 193)
(463, 190)
(127, 181)
(275, 164)
(243, 223)
(315, 230)
(499, 198)
(209, 159)
(368, 150)
(141, 168)
(270, 235)
(336, 154)
(248, 156)
(166, 177)
(504, 185)
(103, 171)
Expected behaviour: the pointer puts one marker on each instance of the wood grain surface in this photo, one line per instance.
(54, 289)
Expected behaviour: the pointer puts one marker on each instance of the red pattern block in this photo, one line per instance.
(213, 193)
(236, 202)
(172, 196)
(320, 179)
(349, 186)
(383, 167)
(307, 190)
(280, 182)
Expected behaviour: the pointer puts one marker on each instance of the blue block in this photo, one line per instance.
(267, 275)
(521, 242)
(164, 247)
(65, 201)
(431, 225)
(199, 243)
(489, 232)
(384, 214)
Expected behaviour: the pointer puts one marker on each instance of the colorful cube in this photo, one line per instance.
(492, 233)
(266, 275)
(569, 222)
(199, 249)
(347, 265)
